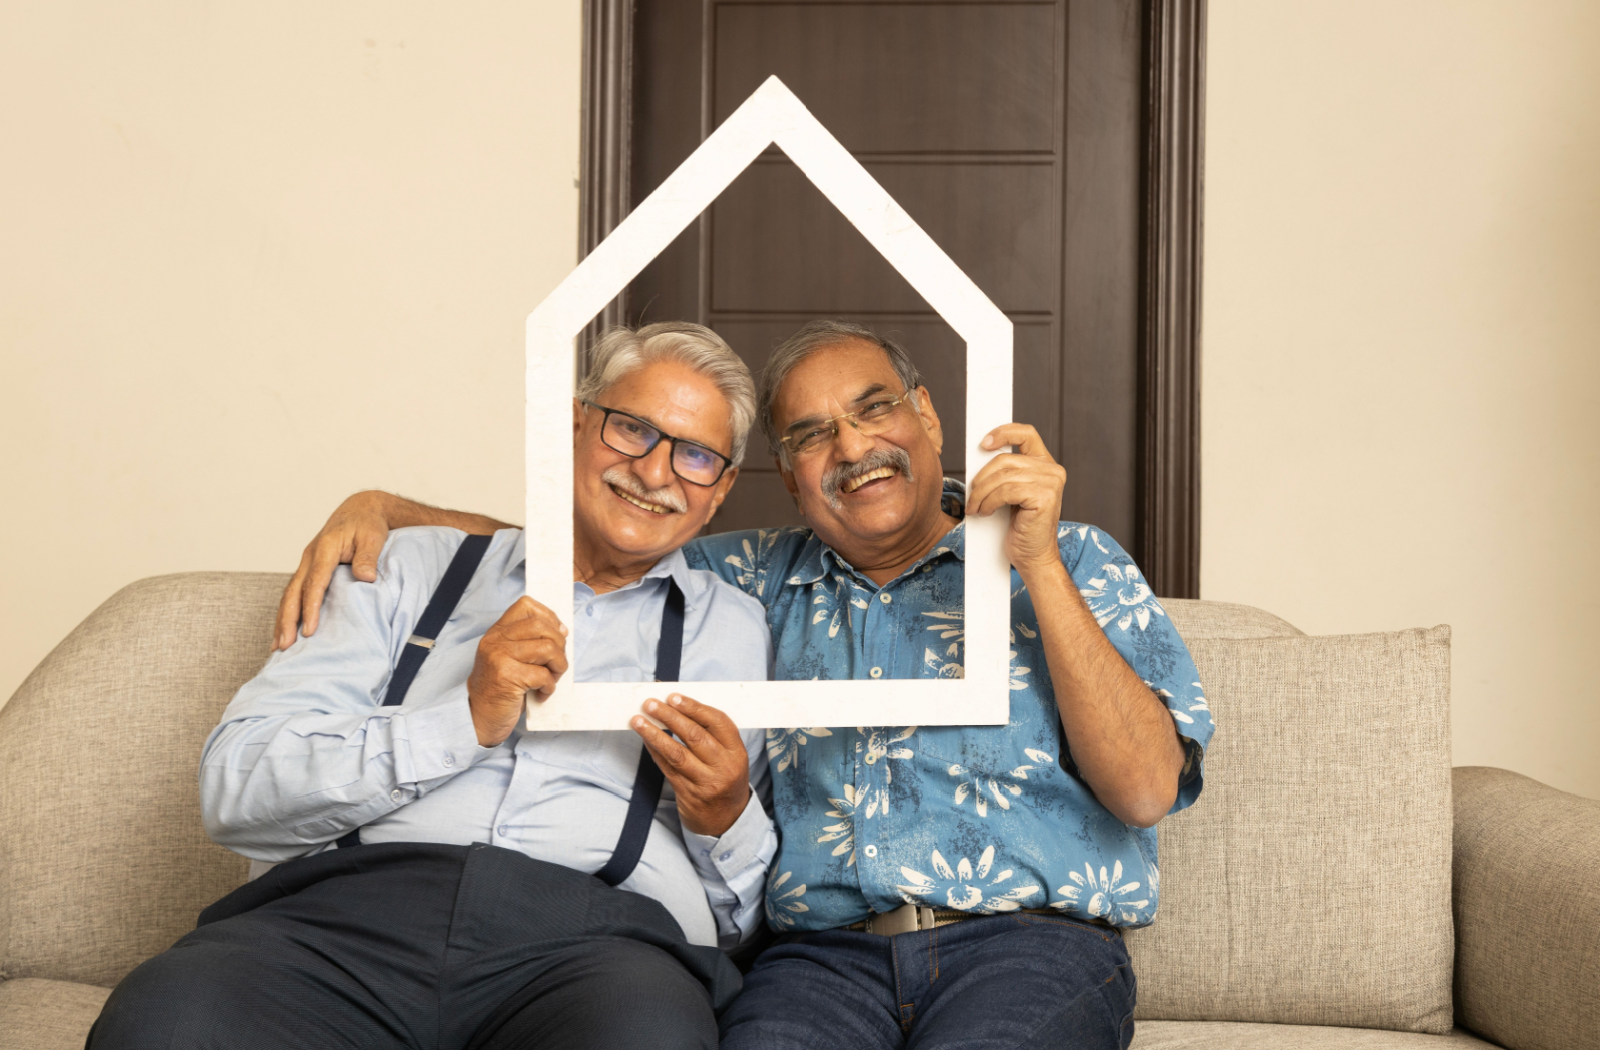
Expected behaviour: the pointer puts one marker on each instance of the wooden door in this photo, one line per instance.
(1015, 133)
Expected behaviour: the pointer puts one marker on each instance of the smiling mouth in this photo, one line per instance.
(653, 508)
(871, 475)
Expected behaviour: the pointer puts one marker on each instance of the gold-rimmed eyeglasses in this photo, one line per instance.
(809, 436)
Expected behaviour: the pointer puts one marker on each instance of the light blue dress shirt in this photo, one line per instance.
(305, 753)
(986, 819)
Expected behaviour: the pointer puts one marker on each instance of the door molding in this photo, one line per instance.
(1168, 541)
(1170, 270)
(606, 136)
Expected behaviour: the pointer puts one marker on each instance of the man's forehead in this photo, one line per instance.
(845, 369)
(673, 397)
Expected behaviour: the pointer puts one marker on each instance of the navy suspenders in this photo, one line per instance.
(445, 598)
(647, 782)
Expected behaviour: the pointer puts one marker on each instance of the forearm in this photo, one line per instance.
(271, 788)
(1120, 734)
(401, 512)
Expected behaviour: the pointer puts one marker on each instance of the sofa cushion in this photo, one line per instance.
(36, 1014)
(1196, 620)
(1230, 1035)
(103, 860)
(1311, 882)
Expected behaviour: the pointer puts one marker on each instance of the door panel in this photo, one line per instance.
(997, 221)
(898, 77)
(1010, 131)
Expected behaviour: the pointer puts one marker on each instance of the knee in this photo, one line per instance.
(156, 1004)
(614, 993)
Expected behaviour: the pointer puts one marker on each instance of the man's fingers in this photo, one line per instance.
(541, 652)
(718, 725)
(1025, 437)
(368, 545)
(289, 607)
(326, 556)
(674, 759)
(526, 618)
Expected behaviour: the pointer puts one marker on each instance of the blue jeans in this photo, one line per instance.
(997, 983)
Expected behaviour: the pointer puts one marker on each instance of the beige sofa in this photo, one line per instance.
(1306, 900)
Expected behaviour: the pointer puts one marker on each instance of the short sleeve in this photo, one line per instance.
(1133, 620)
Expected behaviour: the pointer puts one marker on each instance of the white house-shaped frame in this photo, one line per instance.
(771, 115)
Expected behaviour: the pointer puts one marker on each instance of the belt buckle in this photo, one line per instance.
(908, 918)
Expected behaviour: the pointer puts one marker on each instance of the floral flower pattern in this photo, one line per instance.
(843, 832)
(782, 907)
(972, 784)
(1119, 593)
(783, 745)
(1104, 893)
(964, 887)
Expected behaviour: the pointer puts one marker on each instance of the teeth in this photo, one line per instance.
(871, 475)
(651, 507)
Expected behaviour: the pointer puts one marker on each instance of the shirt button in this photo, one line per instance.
(589, 611)
(396, 795)
(876, 672)
(871, 851)
(501, 831)
(883, 596)
(726, 857)
(449, 761)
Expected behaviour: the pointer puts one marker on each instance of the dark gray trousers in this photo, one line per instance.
(425, 946)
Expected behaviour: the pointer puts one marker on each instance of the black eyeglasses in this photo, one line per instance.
(635, 438)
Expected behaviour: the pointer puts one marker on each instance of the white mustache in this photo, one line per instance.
(624, 480)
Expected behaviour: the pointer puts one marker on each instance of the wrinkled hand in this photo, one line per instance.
(355, 533)
(1030, 482)
(525, 651)
(709, 769)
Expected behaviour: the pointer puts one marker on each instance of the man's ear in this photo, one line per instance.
(724, 486)
(930, 418)
(577, 420)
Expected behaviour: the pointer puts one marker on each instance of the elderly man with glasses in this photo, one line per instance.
(429, 874)
(947, 886)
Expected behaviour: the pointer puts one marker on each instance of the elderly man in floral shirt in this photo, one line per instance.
(936, 887)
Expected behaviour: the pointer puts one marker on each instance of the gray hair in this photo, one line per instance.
(622, 351)
(812, 337)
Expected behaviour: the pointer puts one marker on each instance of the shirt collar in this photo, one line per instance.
(820, 559)
(674, 565)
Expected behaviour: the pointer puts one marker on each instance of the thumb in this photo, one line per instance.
(364, 563)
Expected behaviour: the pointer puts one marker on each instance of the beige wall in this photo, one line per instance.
(1402, 344)
(254, 257)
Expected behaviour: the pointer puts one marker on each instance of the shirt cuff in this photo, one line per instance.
(439, 739)
(737, 849)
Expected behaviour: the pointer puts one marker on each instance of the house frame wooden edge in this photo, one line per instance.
(772, 114)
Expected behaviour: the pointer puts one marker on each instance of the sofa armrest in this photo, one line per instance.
(1526, 895)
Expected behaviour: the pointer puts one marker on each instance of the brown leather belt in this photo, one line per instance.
(911, 918)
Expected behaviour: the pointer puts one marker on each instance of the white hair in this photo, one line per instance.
(622, 351)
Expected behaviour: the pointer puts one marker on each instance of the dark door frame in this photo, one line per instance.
(1168, 541)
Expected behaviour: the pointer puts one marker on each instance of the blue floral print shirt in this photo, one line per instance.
(986, 819)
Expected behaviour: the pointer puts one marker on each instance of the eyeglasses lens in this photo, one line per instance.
(696, 464)
(629, 436)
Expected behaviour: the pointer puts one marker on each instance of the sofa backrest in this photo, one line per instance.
(103, 860)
